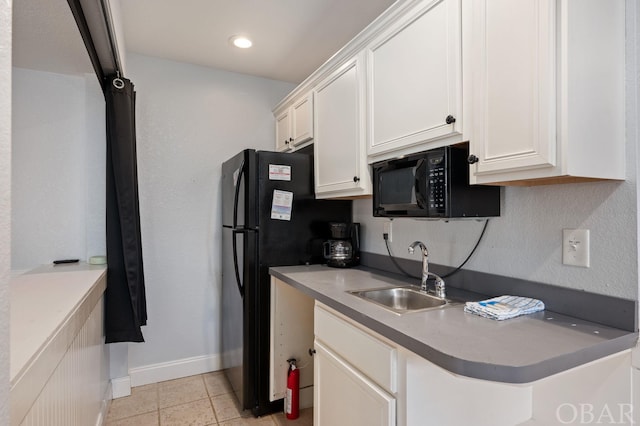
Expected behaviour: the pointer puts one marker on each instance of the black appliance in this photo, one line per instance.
(432, 183)
(343, 249)
(269, 218)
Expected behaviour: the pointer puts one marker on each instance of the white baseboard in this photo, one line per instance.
(155, 373)
(121, 387)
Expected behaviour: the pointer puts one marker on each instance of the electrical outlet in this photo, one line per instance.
(575, 247)
(387, 229)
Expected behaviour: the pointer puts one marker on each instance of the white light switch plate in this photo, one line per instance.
(575, 247)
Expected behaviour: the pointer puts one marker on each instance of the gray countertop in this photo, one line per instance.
(519, 350)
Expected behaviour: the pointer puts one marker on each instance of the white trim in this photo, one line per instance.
(121, 386)
(155, 373)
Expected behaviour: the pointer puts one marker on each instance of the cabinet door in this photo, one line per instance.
(302, 120)
(339, 148)
(291, 337)
(343, 396)
(514, 93)
(283, 131)
(414, 79)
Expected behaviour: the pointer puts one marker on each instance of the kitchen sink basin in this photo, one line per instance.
(401, 299)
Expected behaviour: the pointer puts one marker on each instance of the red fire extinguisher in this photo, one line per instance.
(291, 402)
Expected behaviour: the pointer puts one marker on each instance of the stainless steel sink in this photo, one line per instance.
(401, 299)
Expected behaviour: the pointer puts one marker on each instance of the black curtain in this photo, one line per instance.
(125, 303)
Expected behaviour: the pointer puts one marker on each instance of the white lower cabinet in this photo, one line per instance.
(344, 396)
(363, 378)
(435, 396)
(355, 380)
(597, 393)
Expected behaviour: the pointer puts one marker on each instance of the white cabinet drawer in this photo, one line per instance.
(373, 357)
(344, 396)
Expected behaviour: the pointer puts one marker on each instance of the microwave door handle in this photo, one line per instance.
(421, 175)
(237, 195)
(416, 191)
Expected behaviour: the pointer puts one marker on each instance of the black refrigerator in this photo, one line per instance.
(269, 218)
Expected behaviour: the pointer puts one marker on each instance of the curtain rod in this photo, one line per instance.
(106, 13)
(83, 27)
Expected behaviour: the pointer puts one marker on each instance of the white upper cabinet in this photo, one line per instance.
(302, 120)
(283, 131)
(537, 88)
(294, 124)
(340, 165)
(415, 81)
(547, 90)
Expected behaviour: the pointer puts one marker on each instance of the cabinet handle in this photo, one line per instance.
(312, 351)
(472, 159)
(356, 179)
(286, 142)
(450, 119)
(290, 140)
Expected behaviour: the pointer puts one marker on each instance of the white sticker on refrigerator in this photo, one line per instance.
(281, 205)
(279, 172)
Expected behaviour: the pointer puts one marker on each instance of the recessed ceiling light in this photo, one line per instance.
(240, 41)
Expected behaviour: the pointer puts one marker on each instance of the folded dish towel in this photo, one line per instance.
(504, 307)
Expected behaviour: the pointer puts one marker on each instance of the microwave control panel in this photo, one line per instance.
(437, 188)
(433, 183)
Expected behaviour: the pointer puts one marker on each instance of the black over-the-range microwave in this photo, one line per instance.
(432, 183)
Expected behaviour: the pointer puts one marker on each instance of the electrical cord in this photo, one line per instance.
(484, 228)
(393, 259)
(456, 270)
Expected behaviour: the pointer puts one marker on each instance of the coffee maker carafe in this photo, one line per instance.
(343, 249)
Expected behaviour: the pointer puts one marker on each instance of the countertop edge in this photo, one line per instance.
(473, 369)
(89, 299)
(27, 383)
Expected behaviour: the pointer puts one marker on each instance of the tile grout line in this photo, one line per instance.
(158, 402)
(215, 416)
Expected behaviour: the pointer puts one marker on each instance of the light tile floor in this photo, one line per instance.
(201, 400)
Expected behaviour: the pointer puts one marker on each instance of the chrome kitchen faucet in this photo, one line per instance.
(439, 282)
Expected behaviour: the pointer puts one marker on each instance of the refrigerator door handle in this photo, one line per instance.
(235, 262)
(235, 199)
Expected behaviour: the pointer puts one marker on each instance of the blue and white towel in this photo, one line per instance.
(504, 307)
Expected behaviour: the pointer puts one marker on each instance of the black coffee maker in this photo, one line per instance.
(343, 249)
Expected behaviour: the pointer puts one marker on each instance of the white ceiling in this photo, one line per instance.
(291, 37)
